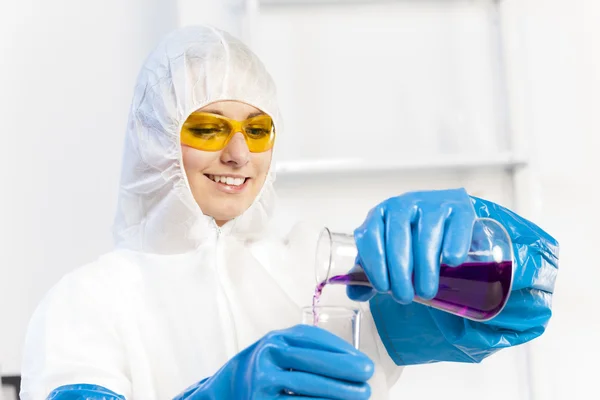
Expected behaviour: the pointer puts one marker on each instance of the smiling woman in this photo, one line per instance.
(226, 181)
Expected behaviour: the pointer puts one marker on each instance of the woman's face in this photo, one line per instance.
(205, 170)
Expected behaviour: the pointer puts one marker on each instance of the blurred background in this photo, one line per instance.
(501, 97)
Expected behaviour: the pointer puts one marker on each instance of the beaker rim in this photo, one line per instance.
(331, 308)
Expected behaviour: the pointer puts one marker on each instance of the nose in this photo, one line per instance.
(236, 153)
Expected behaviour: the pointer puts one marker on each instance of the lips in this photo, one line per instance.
(228, 180)
(230, 184)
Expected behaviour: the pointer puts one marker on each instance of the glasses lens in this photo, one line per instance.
(260, 134)
(205, 131)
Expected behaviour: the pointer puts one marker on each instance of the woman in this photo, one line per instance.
(203, 292)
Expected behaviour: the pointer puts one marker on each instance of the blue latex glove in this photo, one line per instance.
(305, 360)
(308, 361)
(83, 392)
(406, 235)
(417, 334)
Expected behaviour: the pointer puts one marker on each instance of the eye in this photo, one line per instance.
(205, 131)
(257, 131)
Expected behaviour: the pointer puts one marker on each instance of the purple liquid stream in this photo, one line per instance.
(476, 290)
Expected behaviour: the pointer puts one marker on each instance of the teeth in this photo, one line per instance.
(228, 180)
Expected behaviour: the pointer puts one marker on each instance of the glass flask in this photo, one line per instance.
(477, 289)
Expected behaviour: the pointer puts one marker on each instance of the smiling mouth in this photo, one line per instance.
(227, 180)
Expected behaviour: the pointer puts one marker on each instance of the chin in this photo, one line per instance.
(226, 212)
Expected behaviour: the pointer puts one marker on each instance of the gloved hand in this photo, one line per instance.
(306, 360)
(406, 235)
(418, 334)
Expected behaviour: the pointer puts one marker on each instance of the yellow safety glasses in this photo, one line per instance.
(211, 132)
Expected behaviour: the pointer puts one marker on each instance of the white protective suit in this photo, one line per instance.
(179, 296)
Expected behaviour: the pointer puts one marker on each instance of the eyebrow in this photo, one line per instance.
(251, 115)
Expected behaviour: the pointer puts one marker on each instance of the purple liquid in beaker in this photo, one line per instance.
(476, 290)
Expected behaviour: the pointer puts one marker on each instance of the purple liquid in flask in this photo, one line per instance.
(475, 290)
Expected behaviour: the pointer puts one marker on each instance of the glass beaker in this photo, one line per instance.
(477, 289)
(341, 321)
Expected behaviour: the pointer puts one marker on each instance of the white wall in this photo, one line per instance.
(422, 75)
(556, 96)
(67, 74)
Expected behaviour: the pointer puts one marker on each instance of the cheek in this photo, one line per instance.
(195, 161)
(262, 163)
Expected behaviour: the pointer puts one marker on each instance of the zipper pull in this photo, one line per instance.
(218, 228)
